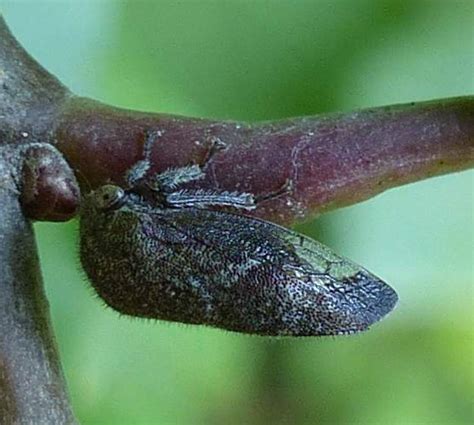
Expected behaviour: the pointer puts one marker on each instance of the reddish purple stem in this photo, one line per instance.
(332, 160)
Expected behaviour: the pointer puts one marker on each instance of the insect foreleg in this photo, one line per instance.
(140, 169)
(172, 178)
(217, 145)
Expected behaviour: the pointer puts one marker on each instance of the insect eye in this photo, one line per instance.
(108, 197)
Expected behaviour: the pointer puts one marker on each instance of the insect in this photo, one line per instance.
(153, 249)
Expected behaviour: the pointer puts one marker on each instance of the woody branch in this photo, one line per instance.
(333, 160)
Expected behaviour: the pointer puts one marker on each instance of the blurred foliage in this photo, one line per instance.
(258, 60)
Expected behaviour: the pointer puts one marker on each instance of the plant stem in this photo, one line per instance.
(32, 387)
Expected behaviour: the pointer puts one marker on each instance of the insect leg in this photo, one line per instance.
(204, 198)
(201, 198)
(285, 189)
(139, 170)
(172, 178)
(217, 145)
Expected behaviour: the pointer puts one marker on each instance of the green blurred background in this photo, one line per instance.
(256, 60)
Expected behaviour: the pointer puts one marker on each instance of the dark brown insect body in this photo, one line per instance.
(155, 252)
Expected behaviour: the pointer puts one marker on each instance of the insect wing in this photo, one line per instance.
(257, 277)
